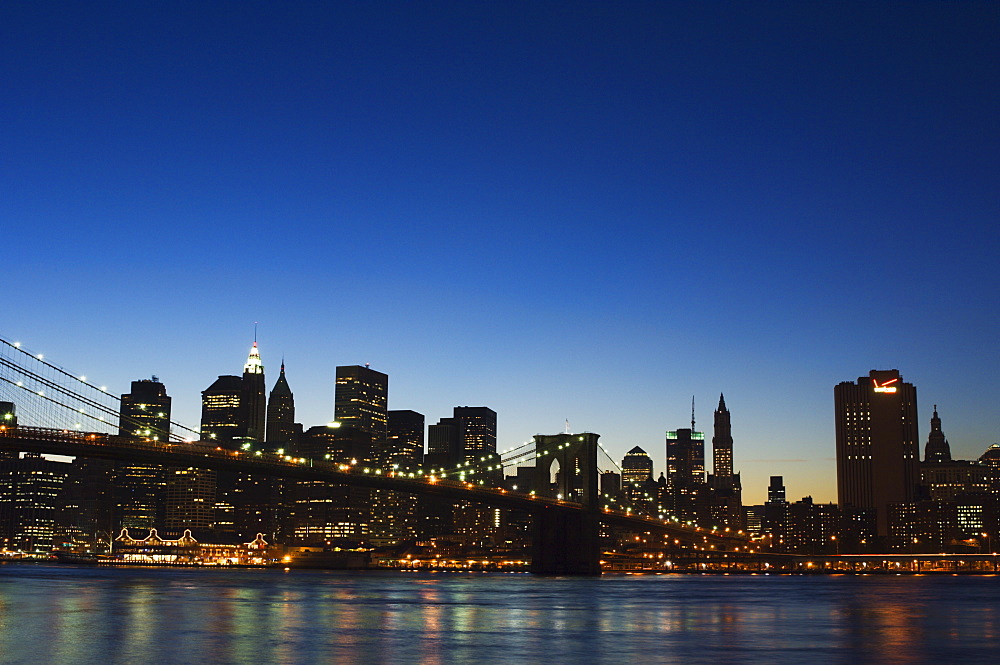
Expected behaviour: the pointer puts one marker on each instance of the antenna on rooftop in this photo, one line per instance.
(692, 413)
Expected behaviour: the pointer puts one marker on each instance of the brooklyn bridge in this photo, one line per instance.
(58, 413)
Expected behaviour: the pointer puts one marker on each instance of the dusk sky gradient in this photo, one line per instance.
(587, 211)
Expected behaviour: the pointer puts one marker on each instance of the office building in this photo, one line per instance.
(282, 432)
(637, 467)
(140, 489)
(253, 402)
(405, 439)
(877, 449)
(722, 446)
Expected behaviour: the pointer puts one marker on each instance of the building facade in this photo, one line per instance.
(877, 449)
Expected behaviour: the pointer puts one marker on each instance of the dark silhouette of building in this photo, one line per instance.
(221, 415)
(444, 446)
(877, 450)
(936, 449)
(360, 402)
(281, 429)
(140, 489)
(726, 489)
(405, 438)
(477, 431)
(145, 412)
(722, 446)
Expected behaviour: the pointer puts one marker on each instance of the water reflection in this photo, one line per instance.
(66, 614)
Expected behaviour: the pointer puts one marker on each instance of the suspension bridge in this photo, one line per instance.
(54, 411)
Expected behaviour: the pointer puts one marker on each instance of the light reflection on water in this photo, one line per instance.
(79, 615)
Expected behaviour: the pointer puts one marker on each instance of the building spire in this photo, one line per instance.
(692, 413)
(254, 364)
(937, 448)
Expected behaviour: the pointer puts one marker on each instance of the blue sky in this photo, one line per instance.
(583, 211)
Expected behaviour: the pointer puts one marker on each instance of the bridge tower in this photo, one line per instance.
(565, 542)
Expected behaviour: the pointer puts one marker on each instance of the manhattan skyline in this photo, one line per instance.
(566, 211)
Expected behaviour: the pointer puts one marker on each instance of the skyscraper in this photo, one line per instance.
(406, 438)
(145, 412)
(722, 446)
(637, 467)
(685, 458)
(221, 415)
(140, 489)
(477, 431)
(877, 449)
(361, 400)
(281, 431)
(252, 401)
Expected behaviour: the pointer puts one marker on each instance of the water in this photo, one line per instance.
(69, 614)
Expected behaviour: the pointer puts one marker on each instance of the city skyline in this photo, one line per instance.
(581, 212)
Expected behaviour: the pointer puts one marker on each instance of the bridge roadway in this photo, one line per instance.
(201, 454)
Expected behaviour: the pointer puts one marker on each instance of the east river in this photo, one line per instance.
(71, 614)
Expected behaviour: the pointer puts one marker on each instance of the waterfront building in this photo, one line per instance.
(30, 501)
(877, 450)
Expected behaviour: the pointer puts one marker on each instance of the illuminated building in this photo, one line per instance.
(360, 402)
(221, 413)
(145, 412)
(685, 458)
(406, 438)
(726, 505)
(685, 495)
(191, 501)
(947, 479)
(477, 431)
(253, 402)
(139, 489)
(637, 467)
(30, 501)
(722, 446)
(877, 450)
(281, 429)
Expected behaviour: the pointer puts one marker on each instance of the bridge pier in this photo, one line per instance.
(565, 543)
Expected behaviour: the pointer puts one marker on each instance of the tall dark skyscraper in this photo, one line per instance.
(220, 411)
(877, 449)
(444, 448)
(140, 489)
(477, 430)
(361, 402)
(685, 458)
(281, 429)
(722, 446)
(145, 412)
(406, 438)
(253, 402)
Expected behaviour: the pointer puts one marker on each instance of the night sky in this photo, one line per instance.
(582, 211)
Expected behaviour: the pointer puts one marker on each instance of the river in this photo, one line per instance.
(71, 614)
